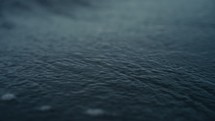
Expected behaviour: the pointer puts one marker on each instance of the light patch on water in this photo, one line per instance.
(8, 97)
(45, 108)
(95, 112)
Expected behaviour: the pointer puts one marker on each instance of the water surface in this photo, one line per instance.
(107, 60)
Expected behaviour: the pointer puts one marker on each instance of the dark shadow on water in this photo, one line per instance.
(40, 8)
(50, 3)
(7, 25)
(64, 7)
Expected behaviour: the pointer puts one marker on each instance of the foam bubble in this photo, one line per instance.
(45, 108)
(8, 97)
(95, 112)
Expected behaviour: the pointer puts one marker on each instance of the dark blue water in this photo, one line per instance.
(107, 60)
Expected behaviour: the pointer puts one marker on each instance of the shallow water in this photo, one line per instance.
(109, 60)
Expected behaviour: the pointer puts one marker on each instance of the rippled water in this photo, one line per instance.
(109, 60)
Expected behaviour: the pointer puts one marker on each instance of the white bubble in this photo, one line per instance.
(45, 108)
(95, 112)
(8, 97)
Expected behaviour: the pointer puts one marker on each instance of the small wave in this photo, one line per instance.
(8, 97)
(45, 108)
(95, 112)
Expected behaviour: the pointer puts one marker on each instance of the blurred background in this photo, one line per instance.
(107, 60)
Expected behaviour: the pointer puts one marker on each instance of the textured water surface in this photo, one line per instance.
(107, 60)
